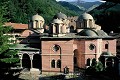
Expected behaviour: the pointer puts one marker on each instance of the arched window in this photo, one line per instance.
(85, 23)
(53, 63)
(71, 29)
(58, 63)
(94, 62)
(88, 62)
(36, 23)
(56, 28)
(106, 46)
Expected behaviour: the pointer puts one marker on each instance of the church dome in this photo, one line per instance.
(85, 16)
(37, 17)
(60, 16)
(88, 32)
(57, 21)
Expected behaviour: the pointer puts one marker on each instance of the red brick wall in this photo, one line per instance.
(69, 48)
(87, 44)
(79, 53)
(111, 46)
(66, 53)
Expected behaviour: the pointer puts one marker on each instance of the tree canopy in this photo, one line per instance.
(7, 56)
(20, 11)
(107, 15)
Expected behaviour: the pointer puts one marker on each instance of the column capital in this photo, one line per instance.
(31, 56)
(20, 55)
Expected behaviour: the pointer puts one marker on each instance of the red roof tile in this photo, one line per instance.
(17, 25)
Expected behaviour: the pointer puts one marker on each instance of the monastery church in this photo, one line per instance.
(67, 42)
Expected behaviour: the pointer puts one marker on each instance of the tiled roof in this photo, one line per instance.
(72, 35)
(17, 25)
(23, 47)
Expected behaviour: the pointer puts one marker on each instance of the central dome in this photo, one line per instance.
(88, 32)
(57, 21)
(85, 16)
(60, 16)
(37, 17)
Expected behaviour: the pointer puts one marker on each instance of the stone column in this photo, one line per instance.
(39, 26)
(92, 24)
(59, 27)
(54, 28)
(34, 24)
(31, 59)
(105, 62)
(87, 23)
(20, 57)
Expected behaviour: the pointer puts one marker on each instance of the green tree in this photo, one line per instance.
(7, 57)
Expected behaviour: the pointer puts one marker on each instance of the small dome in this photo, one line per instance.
(57, 21)
(60, 16)
(88, 32)
(37, 17)
(85, 16)
(106, 54)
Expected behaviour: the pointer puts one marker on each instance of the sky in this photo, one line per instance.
(82, 0)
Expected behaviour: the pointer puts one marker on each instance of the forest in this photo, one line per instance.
(20, 11)
(107, 15)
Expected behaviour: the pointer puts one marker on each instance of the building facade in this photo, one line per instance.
(69, 42)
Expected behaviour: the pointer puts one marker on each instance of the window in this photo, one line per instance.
(88, 62)
(85, 23)
(36, 23)
(59, 64)
(57, 28)
(106, 46)
(56, 48)
(92, 46)
(94, 62)
(53, 63)
(71, 29)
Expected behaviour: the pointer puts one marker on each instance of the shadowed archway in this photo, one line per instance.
(72, 29)
(26, 61)
(109, 62)
(37, 61)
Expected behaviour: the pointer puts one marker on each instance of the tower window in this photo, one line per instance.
(85, 23)
(36, 23)
(106, 46)
(53, 63)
